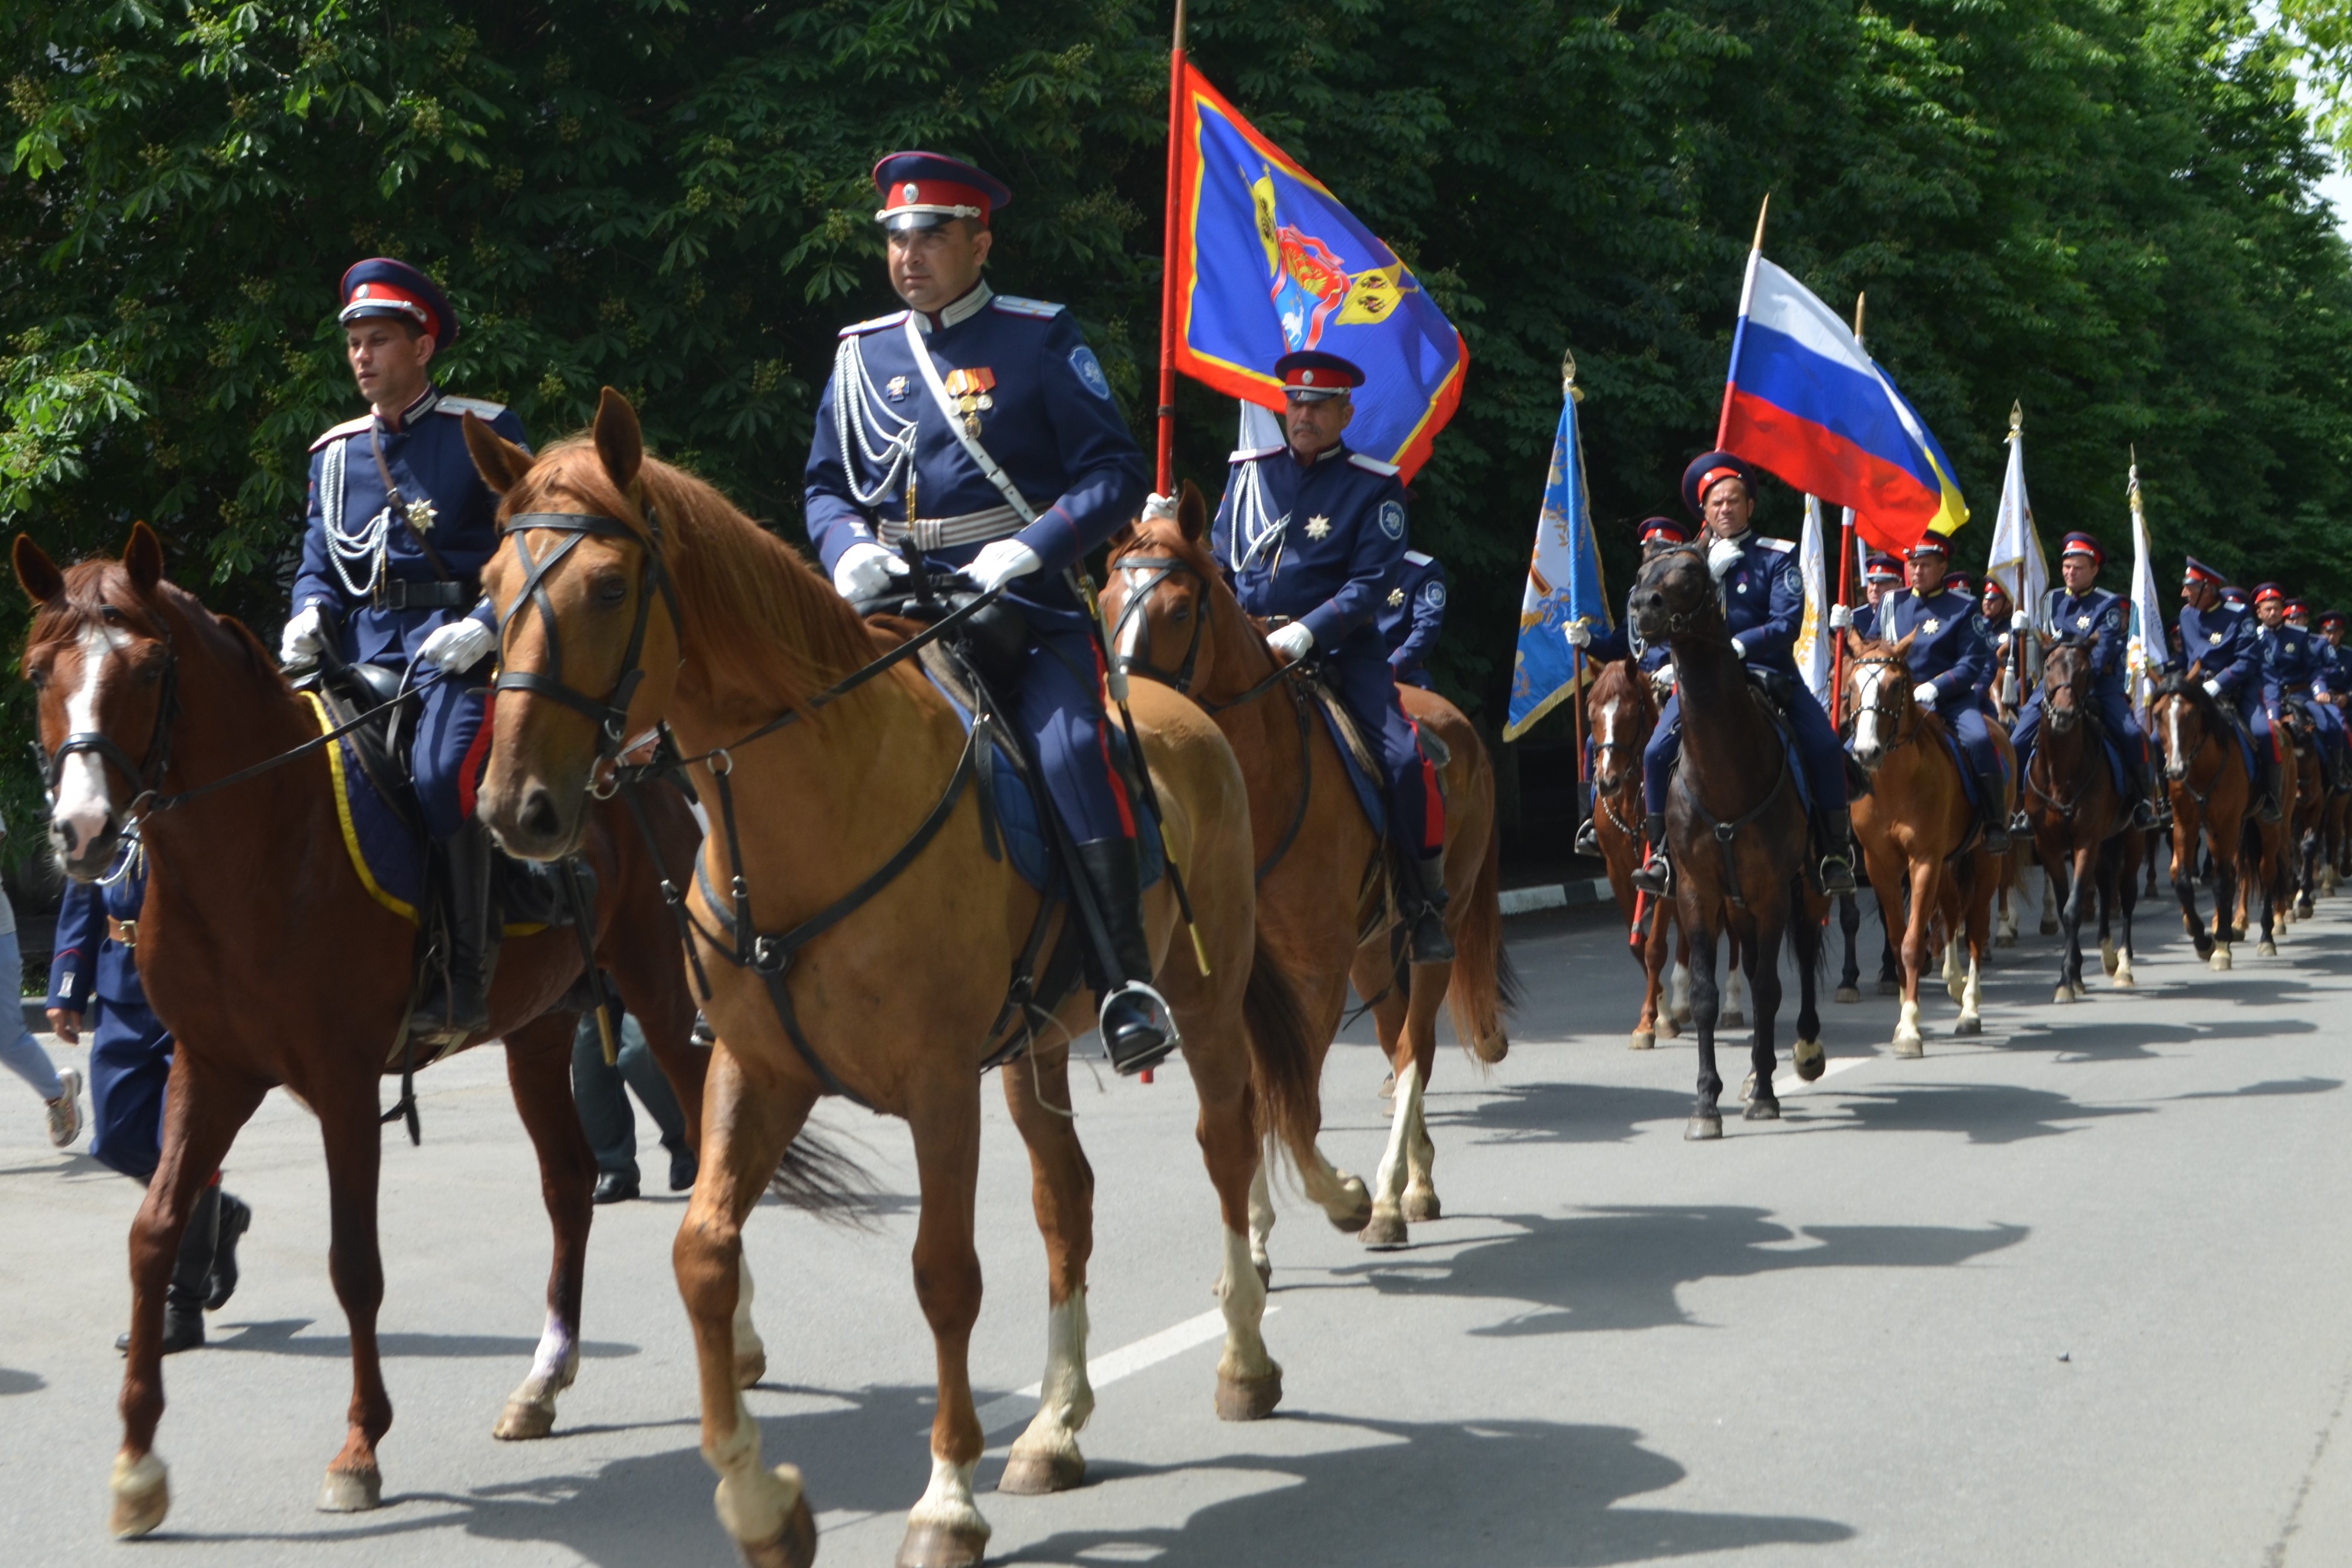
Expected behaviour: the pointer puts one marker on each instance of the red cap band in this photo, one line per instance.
(407, 304)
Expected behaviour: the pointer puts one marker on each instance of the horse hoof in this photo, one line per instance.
(1671, 1027)
(1385, 1229)
(1809, 1060)
(2124, 981)
(1764, 1108)
(793, 1546)
(1493, 1049)
(1849, 993)
(2267, 950)
(1420, 1205)
(1702, 1128)
(1036, 1474)
(1911, 1048)
(2048, 928)
(1731, 1017)
(1968, 1026)
(2220, 961)
(2006, 939)
(935, 1546)
(1890, 988)
(142, 1496)
(2080, 991)
(1359, 1212)
(2302, 910)
(524, 1419)
(1387, 1087)
(1265, 1267)
(750, 1369)
(2064, 993)
(351, 1492)
(1643, 1040)
(1248, 1398)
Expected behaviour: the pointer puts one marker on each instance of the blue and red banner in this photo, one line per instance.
(1267, 262)
(1803, 400)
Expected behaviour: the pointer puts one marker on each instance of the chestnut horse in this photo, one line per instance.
(1323, 905)
(1737, 829)
(2212, 810)
(2081, 825)
(844, 826)
(250, 894)
(1918, 832)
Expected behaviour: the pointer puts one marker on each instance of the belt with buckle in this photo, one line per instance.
(400, 595)
(126, 932)
(948, 533)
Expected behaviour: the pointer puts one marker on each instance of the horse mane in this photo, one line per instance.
(792, 633)
(94, 584)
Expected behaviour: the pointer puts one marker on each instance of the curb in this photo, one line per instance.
(1555, 896)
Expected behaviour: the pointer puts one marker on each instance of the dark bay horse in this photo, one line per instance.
(251, 895)
(2081, 825)
(1737, 833)
(860, 925)
(2212, 814)
(1322, 901)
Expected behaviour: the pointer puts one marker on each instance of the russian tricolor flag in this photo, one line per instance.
(1803, 400)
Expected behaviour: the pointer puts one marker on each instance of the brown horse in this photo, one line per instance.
(250, 894)
(896, 926)
(1738, 832)
(2212, 811)
(1917, 831)
(1323, 904)
(2080, 822)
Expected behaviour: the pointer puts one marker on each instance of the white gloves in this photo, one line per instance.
(2213, 688)
(1923, 694)
(2017, 622)
(866, 572)
(304, 635)
(1738, 650)
(1158, 508)
(1841, 617)
(1292, 642)
(1722, 555)
(1000, 562)
(458, 646)
(1580, 635)
(1661, 679)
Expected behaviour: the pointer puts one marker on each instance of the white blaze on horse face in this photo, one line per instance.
(2172, 724)
(1865, 713)
(83, 809)
(1608, 724)
(1132, 612)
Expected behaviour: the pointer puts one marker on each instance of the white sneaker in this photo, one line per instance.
(65, 1111)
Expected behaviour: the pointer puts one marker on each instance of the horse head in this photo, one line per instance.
(100, 661)
(1622, 711)
(1161, 596)
(1675, 596)
(2180, 714)
(1878, 688)
(2065, 684)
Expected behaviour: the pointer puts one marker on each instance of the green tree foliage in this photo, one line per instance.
(2102, 207)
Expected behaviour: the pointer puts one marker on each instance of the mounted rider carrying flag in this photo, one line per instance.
(399, 527)
(994, 416)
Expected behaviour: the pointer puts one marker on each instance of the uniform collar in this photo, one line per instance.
(961, 308)
(427, 401)
(1337, 449)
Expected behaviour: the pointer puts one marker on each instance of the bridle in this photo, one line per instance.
(145, 776)
(1705, 619)
(1157, 569)
(1894, 714)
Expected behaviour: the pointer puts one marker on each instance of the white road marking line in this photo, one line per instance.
(1014, 1409)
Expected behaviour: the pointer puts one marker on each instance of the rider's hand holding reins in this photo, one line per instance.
(865, 571)
(458, 646)
(304, 635)
(1291, 642)
(1000, 562)
(1923, 694)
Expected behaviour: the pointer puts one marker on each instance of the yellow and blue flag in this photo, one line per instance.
(1564, 583)
(1270, 263)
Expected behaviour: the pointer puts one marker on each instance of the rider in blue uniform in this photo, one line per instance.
(994, 413)
(1881, 576)
(1952, 661)
(2328, 680)
(1622, 642)
(2218, 641)
(2083, 612)
(1764, 607)
(1312, 534)
(400, 526)
(94, 974)
(1412, 615)
(2292, 672)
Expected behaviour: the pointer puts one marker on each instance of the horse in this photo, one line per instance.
(1321, 890)
(2080, 826)
(2309, 818)
(857, 924)
(2212, 809)
(147, 700)
(1918, 832)
(1736, 830)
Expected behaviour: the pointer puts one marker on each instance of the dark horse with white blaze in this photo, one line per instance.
(1738, 832)
(2082, 826)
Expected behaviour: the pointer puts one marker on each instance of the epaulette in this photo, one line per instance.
(1014, 304)
(349, 427)
(1251, 453)
(480, 407)
(1779, 547)
(1373, 465)
(859, 328)
(1418, 558)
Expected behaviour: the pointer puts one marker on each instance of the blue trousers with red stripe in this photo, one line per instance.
(451, 748)
(1057, 703)
(1416, 810)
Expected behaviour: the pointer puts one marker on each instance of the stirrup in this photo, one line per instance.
(1144, 1031)
(2020, 824)
(1587, 839)
(1837, 875)
(1654, 877)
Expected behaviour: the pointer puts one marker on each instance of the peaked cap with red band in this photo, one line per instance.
(924, 190)
(2195, 572)
(1932, 544)
(1666, 528)
(1311, 374)
(1709, 469)
(1882, 569)
(2082, 544)
(383, 286)
(2334, 618)
(2266, 592)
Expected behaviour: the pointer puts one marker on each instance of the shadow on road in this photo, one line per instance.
(278, 1337)
(1553, 1112)
(1987, 1113)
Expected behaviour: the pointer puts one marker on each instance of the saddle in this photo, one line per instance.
(1360, 756)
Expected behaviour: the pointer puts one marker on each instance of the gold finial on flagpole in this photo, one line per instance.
(1859, 300)
(1567, 387)
(2132, 482)
(2016, 419)
(1764, 207)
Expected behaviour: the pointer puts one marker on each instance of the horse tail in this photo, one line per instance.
(1485, 985)
(1282, 1059)
(821, 1177)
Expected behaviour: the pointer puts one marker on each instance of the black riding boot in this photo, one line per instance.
(464, 1006)
(1136, 1029)
(191, 1283)
(1995, 820)
(1655, 877)
(235, 1220)
(1587, 839)
(2143, 803)
(1431, 943)
(1837, 852)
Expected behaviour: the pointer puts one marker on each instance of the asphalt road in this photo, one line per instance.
(2075, 1293)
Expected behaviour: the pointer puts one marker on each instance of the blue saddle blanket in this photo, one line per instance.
(1368, 785)
(1019, 821)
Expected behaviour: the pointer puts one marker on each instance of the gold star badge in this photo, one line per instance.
(1318, 527)
(1930, 625)
(1396, 596)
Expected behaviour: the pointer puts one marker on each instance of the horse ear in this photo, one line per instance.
(1193, 513)
(142, 557)
(2048, 641)
(500, 462)
(1903, 644)
(36, 573)
(1852, 643)
(620, 441)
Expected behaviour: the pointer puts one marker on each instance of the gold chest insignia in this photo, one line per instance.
(2084, 621)
(1930, 625)
(1396, 597)
(1318, 527)
(422, 517)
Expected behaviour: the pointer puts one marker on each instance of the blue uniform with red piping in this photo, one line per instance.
(1320, 543)
(1020, 369)
(1951, 650)
(130, 1049)
(2096, 619)
(1412, 616)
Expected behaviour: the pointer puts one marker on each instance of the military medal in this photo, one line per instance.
(895, 388)
(421, 516)
(1318, 527)
(2084, 621)
(1930, 625)
(970, 388)
(1396, 597)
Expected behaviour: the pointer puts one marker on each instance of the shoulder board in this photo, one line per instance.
(1014, 304)
(857, 328)
(480, 407)
(1372, 464)
(1251, 453)
(1418, 558)
(349, 427)
(1779, 547)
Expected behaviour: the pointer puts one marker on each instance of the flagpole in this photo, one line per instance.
(1739, 328)
(1167, 473)
(1846, 561)
(2017, 602)
(1575, 654)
